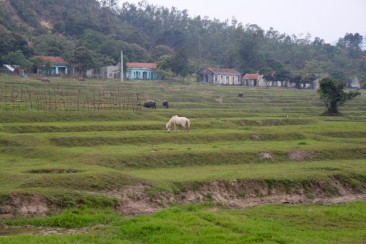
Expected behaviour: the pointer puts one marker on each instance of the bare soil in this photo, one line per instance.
(300, 155)
(134, 200)
(25, 205)
(266, 155)
(240, 194)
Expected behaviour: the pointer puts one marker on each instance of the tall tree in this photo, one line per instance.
(354, 44)
(332, 94)
(179, 63)
(161, 50)
(17, 58)
(54, 45)
(83, 59)
(249, 50)
(164, 67)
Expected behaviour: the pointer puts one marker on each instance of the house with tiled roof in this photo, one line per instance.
(253, 80)
(142, 71)
(51, 65)
(218, 76)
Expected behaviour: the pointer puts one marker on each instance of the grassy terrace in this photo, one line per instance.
(73, 160)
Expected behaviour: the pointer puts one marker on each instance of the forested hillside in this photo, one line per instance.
(178, 42)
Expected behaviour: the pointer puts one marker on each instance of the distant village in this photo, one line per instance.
(57, 66)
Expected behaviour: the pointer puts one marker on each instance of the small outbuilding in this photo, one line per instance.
(253, 80)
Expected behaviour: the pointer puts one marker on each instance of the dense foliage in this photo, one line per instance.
(145, 32)
(333, 94)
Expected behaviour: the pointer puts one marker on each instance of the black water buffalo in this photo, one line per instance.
(150, 104)
(241, 94)
(165, 104)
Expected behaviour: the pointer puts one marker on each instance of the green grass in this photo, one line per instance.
(344, 223)
(71, 218)
(295, 170)
(73, 160)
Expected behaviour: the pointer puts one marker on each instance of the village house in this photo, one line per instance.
(253, 80)
(51, 65)
(218, 76)
(142, 71)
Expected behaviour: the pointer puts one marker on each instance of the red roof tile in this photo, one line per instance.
(251, 76)
(51, 59)
(219, 70)
(142, 65)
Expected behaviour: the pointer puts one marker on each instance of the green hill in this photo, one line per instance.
(147, 32)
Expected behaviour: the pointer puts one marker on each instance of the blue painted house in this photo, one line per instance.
(142, 71)
(50, 65)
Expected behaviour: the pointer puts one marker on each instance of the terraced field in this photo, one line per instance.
(272, 146)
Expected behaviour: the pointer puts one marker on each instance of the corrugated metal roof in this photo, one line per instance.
(142, 65)
(51, 59)
(9, 67)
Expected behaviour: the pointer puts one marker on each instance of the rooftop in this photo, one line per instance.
(142, 65)
(51, 59)
(251, 76)
(219, 70)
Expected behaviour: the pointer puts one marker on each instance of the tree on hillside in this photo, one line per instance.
(164, 67)
(145, 32)
(83, 59)
(161, 50)
(17, 58)
(332, 94)
(249, 47)
(179, 63)
(12, 42)
(353, 42)
(108, 3)
(54, 45)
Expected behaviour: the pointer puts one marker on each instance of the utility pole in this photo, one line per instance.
(121, 66)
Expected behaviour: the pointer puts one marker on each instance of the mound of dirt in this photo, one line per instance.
(300, 155)
(25, 205)
(266, 155)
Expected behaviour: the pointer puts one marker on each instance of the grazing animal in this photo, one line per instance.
(175, 121)
(150, 104)
(165, 104)
(44, 80)
(241, 94)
